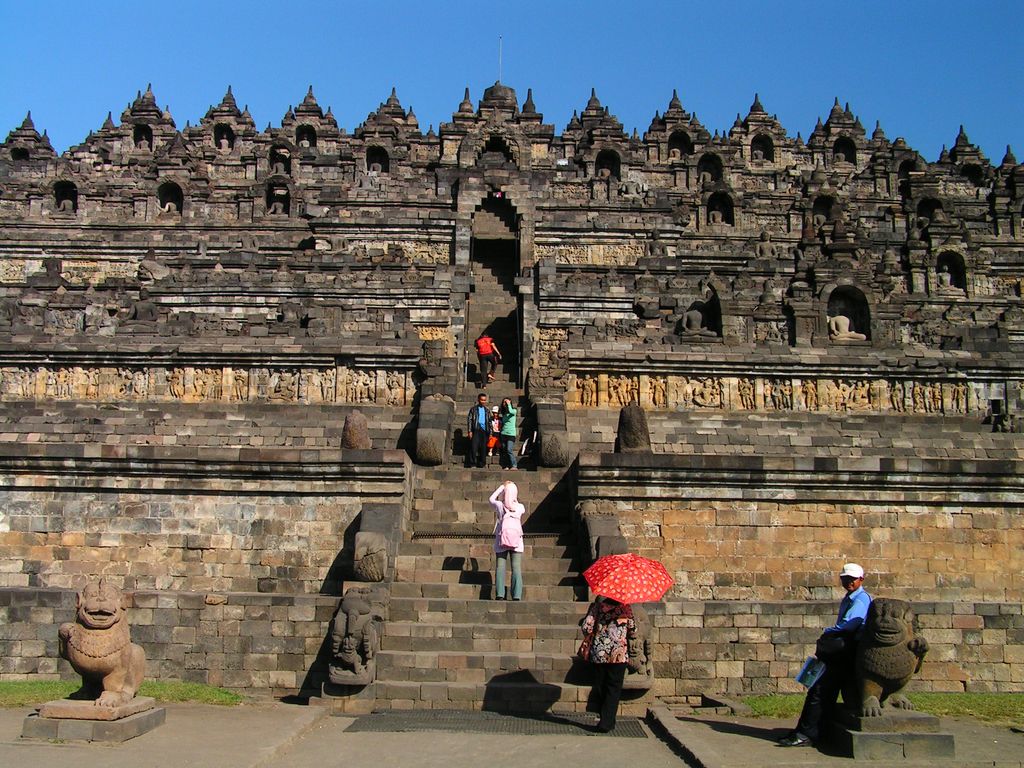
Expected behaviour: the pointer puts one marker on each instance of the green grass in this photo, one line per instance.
(25, 693)
(996, 708)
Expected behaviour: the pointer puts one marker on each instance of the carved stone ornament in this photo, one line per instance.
(355, 636)
(888, 656)
(98, 646)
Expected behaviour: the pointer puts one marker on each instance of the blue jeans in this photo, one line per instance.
(517, 574)
(508, 443)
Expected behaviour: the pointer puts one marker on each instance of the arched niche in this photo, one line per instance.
(223, 137)
(608, 165)
(65, 197)
(930, 208)
(305, 136)
(496, 151)
(849, 315)
(142, 137)
(950, 271)
(170, 198)
(679, 145)
(903, 177)
(823, 210)
(280, 160)
(378, 160)
(720, 209)
(19, 154)
(973, 173)
(709, 168)
(762, 148)
(279, 200)
(844, 150)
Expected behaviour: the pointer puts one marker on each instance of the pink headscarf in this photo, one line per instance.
(511, 495)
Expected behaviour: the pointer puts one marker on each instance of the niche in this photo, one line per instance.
(223, 137)
(709, 168)
(280, 161)
(903, 177)
(849, 315)
(679, 145)
(65, 197)
(762, 148)
(823, 210)
(720, 209)
(950, 272)
(377, 160)
(170, 198)
(19, 154)
(305, 136)
(844, 151)
(607, 165)
(931, 209)
(142, 137)
(279, 200)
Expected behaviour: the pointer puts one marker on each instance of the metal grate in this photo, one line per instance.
(522, 724)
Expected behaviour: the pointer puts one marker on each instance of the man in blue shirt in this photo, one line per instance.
(479, 429)
(836, 647)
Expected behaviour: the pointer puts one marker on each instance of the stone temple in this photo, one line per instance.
(826, 337)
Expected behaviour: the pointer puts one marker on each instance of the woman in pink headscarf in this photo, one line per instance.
(508, 538)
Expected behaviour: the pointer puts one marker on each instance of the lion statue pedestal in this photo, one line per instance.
(99, 647)
(883, 726)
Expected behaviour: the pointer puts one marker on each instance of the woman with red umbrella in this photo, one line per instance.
(609, 626)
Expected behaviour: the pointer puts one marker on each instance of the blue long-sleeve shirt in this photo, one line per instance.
(853, 610)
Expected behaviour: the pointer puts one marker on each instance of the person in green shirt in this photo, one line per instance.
(508, 414)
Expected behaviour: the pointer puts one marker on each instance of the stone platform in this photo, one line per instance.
(895, 735)
(71, 720)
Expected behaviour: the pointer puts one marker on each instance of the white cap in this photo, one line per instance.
(852, 569)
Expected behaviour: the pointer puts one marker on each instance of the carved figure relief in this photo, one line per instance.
(745, 387)
(355, 636)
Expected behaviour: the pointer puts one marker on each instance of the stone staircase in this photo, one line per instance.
(447, 643)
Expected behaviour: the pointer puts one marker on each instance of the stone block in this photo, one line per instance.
(110, 731)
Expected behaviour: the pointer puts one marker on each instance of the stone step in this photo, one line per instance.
(532, 591)
(444, 611)
(557, 666)
(462, 552)
(451, 567)
(473, 638)
(533, 577)
(514, 693)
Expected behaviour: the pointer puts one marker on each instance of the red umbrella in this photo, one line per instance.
(628, 578)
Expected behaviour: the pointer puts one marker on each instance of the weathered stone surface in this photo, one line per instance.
(110, 731)
(71, 709)
(356, 432)
(633, 436)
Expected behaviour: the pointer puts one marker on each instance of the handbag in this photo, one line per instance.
(829, 645)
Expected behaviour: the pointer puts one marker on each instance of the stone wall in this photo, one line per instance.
(233, 520)
(777, 528)
(758, 647)
(273, 645)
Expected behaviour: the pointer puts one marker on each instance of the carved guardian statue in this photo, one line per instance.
(355, 636)
(99, 647)
(888, 656)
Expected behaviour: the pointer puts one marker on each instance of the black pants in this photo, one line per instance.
(478, 448)
(608, 680)
(823, 695)
(488, 364)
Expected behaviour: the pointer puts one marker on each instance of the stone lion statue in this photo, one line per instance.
(99, 648)
(888, 655)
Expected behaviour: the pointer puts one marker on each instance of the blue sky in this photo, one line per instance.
(922, 68)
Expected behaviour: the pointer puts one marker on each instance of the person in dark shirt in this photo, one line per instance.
(478, 428)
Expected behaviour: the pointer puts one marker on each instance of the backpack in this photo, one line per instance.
(485, 345)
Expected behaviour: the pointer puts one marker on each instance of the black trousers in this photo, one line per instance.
(478, 448)
(823, 695)
(608, 680)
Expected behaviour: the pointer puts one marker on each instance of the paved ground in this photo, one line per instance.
(261, 736)
(271, 735)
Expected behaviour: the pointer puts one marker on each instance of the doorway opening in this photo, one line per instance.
(494, 305)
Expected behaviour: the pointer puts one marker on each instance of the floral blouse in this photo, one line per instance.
(609, 627)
